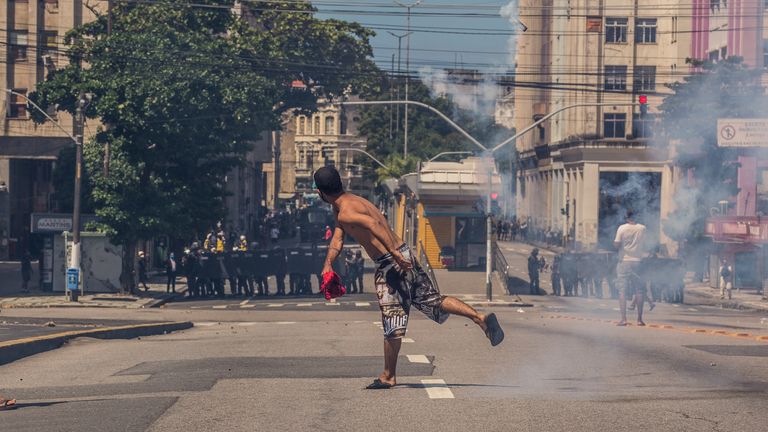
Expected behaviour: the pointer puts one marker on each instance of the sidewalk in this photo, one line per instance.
(703, 294)
(469, 286)
(155, 297)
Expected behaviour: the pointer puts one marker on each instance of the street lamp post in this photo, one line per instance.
(78, 140)
(407, 67)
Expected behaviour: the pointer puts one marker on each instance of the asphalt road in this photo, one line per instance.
(563, 367)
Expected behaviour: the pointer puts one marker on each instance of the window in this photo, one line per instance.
(724, 53)
(302, 125)
(317, 125)
(614, 125)
(594, 24)
(714, 55)
(645, 30)
(615, 77)
(18, 41)
(644, 79)
(615, 30)
(642, 127)
(52, 6)
(18, 105)
(49, 39)
(329, 126)
(765, 52)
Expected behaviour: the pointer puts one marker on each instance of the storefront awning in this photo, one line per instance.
(463, 210)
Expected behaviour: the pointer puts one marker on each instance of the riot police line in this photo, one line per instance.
(247, 272)
(586, 274)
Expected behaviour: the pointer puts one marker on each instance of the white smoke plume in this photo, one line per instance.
(470, 91)
(511, 11)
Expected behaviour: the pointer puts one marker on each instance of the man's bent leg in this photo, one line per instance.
(391, 351)
(454, 306)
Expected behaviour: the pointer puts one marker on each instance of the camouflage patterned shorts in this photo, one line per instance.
(397, 291)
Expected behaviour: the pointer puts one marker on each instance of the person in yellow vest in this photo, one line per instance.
(243, 246)
(220, 242)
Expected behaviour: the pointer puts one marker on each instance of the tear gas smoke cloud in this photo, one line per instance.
(511, 11)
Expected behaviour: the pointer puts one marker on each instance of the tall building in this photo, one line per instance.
(32, 33)
(582, 168)
(322, 139)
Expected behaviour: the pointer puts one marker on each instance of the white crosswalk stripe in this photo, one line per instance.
(418, 358)
(220, 307)
(275, 305)
(437, 389)
(362, 304)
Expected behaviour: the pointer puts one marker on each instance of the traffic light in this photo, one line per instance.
(643, 99)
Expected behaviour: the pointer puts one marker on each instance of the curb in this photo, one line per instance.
(16, 349)
(497, 304)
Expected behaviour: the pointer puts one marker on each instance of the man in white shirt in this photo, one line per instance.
(629, 241)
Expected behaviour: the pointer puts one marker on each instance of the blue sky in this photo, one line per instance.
(434, 47)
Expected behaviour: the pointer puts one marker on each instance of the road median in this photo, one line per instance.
(16, 349)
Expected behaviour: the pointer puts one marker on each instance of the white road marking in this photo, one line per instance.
(408, 340)
(437, 389)
(303, 304)
(247, 324)
(418, 358)
(362, 304)
(244, 302)
(276, 305)
(285, 322)
(333, 304)
(693, 309)
(220, 307)
(247, 306)
(205, 324)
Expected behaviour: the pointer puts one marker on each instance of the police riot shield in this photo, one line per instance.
(295, 260)
(209, 267)
(261, 264)
(319, 253)
(276, 262)
(232, 263)
(220, 260)
(247, 263)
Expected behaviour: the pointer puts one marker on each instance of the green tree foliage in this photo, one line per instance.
(727, 89)
(182, 90)
(428, 133)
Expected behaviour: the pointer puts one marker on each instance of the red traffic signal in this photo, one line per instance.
(494, 196)
(643, 99)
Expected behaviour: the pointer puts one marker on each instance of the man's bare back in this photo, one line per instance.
(348, 211)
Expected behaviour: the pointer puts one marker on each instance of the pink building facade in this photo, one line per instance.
(725, 28)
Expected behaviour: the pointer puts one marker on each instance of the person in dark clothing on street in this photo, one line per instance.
(533, 270)
(26, 271)
(359, 270)
(556, 276)
(143, 271)
(170, 271)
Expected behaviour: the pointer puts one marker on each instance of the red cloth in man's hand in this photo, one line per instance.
(332, 286)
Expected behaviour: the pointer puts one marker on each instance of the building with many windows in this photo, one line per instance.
(32, 33)
(580, 169)
(323, 138)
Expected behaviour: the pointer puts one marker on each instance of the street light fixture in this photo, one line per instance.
(407, 66)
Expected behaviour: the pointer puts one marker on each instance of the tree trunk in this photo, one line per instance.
(127, 280)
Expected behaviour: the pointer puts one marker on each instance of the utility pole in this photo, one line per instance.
(79, 126)
(399, 76)
(407, 68)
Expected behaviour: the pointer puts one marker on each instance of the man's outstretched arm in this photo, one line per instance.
(334, 249)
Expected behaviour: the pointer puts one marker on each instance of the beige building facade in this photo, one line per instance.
(581, 169)
(33, 34)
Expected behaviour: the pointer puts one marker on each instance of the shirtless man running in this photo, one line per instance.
(400, 281)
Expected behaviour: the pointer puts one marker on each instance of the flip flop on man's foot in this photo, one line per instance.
(7, 403)
(378, 384)
(493, 330)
